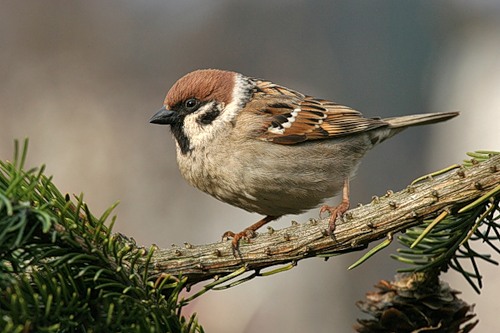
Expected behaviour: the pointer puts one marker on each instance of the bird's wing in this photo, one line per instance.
(291, 117)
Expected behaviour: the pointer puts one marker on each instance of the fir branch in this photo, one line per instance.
(423, 200)
(63, 270)
(446, 242)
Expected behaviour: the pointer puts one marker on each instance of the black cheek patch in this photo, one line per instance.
(209, 117)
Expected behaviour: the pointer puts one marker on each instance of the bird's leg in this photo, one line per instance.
(339, 210)
(247, 233)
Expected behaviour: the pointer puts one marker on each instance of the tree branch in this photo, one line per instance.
(388, 214)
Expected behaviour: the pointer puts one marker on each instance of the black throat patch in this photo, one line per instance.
(181, 138)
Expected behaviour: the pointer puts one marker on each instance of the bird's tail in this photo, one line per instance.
(419, 119)
(397, 124)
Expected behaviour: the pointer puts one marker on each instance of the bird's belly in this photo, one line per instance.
(287, 195)
(272, 182)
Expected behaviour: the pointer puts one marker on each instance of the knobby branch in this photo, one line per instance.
(449, 190)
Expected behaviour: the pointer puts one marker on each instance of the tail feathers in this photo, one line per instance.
(397, 124)
(419, 119)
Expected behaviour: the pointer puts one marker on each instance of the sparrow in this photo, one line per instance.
(269, 149)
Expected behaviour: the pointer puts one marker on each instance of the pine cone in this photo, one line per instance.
(417, 302)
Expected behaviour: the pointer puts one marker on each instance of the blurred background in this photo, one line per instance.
(82, 78)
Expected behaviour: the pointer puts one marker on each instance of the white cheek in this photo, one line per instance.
(200, 134)
(196, 133)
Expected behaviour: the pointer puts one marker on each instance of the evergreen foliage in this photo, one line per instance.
(447, 241)
(62, 269)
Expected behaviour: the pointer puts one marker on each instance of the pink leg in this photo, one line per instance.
(247, 233)
(337, 211)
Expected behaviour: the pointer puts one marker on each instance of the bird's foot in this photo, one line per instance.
(335, 213)
(246, 234)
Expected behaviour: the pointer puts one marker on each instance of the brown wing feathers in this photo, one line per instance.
(295, 118)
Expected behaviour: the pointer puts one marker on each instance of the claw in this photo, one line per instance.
(246, 234)
(336, 211)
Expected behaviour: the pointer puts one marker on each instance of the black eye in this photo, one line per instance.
(191, 104)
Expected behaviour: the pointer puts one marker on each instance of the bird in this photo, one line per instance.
(269, 149)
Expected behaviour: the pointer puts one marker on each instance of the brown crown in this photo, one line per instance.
(204, 85)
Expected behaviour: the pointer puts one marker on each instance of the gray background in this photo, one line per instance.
(82, 78)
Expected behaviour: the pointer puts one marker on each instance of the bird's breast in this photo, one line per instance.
(268, 178)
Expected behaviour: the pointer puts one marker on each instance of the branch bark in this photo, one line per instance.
(390, 213)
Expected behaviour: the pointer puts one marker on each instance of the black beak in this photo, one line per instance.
(164, 117)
